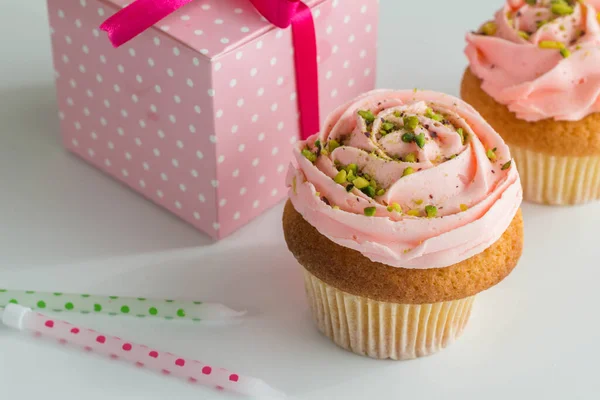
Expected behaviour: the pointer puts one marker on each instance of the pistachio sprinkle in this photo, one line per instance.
(550, 44)
(461, 133)
(408, 137)
(506, 165)
(431, 211)
(565, 53)
(561, 8)
(411, 123)
(413, 213)
(408, 171)
(341, 177)
(410, 157)
(429, 113)
(370, 211)
(420, 140)
(360, 183)
(489, 28)
(394, 207)
(367, 115)
(332, 145)
(309, 155)
(491, 154)
(524, 35)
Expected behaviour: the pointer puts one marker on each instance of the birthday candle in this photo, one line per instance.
(118, 305)
(196, 372)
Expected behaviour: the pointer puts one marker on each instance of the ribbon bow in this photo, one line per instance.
(143, 14)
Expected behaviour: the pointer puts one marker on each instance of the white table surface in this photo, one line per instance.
(65, 226)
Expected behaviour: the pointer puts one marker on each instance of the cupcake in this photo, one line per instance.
(534, 75)
(401, 210)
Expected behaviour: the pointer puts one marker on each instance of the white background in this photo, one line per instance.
(64, 226)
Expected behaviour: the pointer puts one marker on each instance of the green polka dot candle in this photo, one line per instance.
(116, 305)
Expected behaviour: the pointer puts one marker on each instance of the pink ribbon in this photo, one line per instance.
(143, 14)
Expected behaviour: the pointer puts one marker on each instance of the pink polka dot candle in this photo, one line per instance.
(195, 372)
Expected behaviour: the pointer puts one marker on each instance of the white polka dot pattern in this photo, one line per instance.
(207, 138)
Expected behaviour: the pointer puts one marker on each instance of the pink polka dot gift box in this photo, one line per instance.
(199, 111)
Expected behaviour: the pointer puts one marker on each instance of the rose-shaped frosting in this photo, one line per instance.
(540, 58)
(412, 179)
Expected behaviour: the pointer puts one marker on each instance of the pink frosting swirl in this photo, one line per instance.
(436, 200)
(539, 60)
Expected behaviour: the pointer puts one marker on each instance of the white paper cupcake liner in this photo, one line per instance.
(557, 180)
(385, 330)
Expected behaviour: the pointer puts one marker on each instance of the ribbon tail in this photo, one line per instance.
(138, 17)
(307, 70)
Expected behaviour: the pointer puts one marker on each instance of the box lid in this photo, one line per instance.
(214, 27)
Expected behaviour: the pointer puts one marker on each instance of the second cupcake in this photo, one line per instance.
(401, 210)
(534, 75)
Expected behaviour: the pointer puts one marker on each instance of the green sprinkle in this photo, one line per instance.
(560, 8)
(125, 310)
(432, 115)
(397, 114)
(13, 301)
(332, 145)
(97, 307)
(418, 202)
(341, 177)
(69, 306)
(367, 115)
(361, 183)
(2, 290)
(350, 177)
(461, 133)
(394, 207)
(408, 137)
(463, 207)
(41, 304)
(85, 296)
(524, 35)
(141, 299)
(318, 144)
(489, 28)
(370, 211)
(113, 297)
(565, 53)
(431, 211)
(57, 294)
(411, 123)
(153, 311)
(507, 165)
(541, 23)
(414, 213)
(410, 157)
(373, 182)
(369, 191)
(181, 313)
(420, 140)
(30, 292)
(353, 168)
(408, 171)
(491, 154)
(349, 188)
(380, 192)
(309, 155)
(550, 44)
